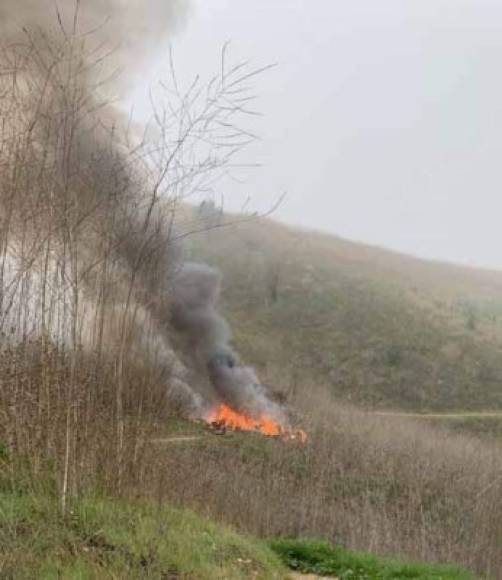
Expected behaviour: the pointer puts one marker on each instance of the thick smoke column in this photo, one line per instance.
(196, 294)
(132, 30)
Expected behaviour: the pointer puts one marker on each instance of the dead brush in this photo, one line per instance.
(389, 486)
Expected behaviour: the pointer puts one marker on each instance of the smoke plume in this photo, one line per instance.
(132, 31)
(116, 211)
(196, 294)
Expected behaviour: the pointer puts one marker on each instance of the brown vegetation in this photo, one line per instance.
(388, 486)
(381, 484)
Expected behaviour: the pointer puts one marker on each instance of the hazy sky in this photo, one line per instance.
(383, 119)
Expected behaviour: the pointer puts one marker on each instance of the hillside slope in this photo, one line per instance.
(102, 537)
(105, 538)
(379, 328)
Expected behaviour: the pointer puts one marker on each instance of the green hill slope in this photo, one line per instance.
(102, 537)
(379, 328)
(106, 538)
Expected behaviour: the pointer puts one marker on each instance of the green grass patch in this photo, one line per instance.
(316, 557)
(105, 538)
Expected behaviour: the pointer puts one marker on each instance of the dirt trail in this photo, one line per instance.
(177, 439)
(467, 415)
(298, 576)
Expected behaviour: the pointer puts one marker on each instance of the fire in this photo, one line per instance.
(224, 417)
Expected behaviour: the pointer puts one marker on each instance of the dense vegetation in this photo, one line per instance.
(102, 537)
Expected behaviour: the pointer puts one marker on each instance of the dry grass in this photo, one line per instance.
(388, 486)
(385, 485)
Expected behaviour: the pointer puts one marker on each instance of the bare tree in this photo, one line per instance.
(92, 222)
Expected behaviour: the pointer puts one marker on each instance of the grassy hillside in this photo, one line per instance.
(379, 328)
(101, 538)
(110, 538)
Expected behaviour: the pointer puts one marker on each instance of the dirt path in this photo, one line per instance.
(468, 415)
(298, 576)
(177, 439)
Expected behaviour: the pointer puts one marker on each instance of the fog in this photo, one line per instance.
(382, 121)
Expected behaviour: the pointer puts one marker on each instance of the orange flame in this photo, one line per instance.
(224, 417)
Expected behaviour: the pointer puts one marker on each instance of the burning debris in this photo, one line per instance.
(224, 418)
(244, 402)
(195, 297)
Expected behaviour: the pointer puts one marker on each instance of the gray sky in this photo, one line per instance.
(383, 120)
